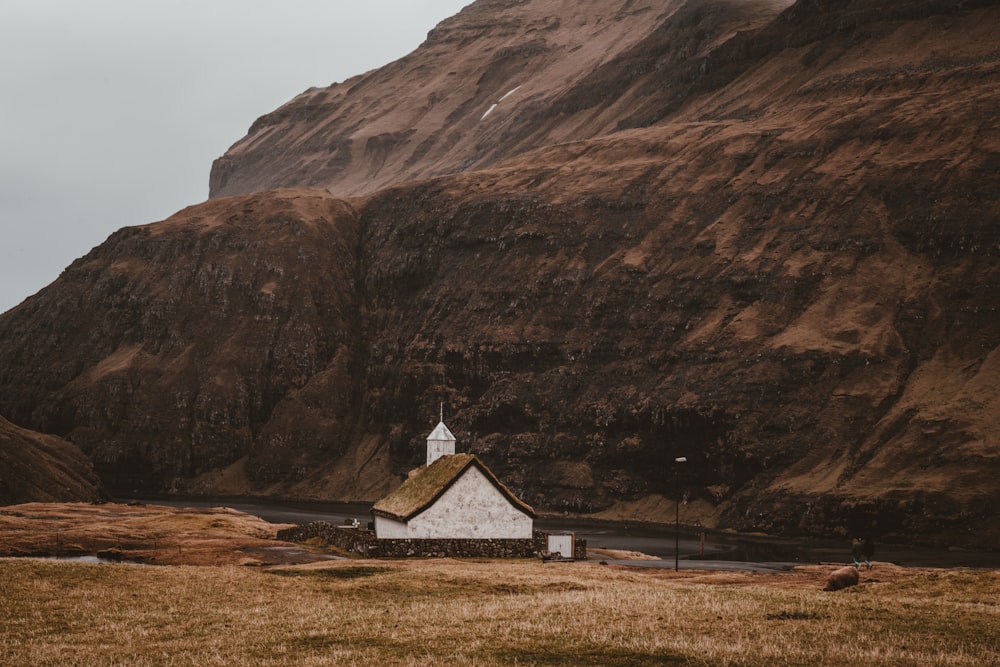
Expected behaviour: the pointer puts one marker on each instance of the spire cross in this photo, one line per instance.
(442, 410)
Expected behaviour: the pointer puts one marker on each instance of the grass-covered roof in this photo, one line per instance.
(422, 489)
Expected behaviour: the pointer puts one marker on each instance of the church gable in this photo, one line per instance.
(427, 486)
(472, 507)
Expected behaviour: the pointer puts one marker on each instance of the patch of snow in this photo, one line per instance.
(509, 93)
(494, 105)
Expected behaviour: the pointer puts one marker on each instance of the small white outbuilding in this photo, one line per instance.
(454, 496)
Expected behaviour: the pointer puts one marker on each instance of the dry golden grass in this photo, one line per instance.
(145, 533)
(451, 612)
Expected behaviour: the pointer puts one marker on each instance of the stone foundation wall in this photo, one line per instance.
(364, 543)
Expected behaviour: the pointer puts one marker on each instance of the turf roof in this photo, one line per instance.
(422, 489)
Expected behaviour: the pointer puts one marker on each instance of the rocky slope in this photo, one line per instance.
(43, 468)
(222, 338)
(763, 238)
(498, 79)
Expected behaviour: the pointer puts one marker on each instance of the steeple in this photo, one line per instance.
(440, 442)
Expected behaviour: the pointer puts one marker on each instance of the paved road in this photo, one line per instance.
(717, 565)
(719, 551)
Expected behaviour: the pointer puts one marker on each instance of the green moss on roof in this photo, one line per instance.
(421, 490)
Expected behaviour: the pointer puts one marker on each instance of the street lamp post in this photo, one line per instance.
(677, 512)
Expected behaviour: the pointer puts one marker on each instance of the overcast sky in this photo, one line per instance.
(111, 111)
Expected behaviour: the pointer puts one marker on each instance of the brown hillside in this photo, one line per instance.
(43, 468)
(765, 240)
(221, 338)
(557, 70)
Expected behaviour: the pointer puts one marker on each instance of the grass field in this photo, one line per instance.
(449, 612)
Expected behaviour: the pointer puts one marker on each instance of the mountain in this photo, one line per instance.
(500, 78)
(761, 236)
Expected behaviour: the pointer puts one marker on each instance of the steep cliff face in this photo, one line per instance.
(223, 338)
(763, 240)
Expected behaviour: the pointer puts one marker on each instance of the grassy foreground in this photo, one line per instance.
(486, 613)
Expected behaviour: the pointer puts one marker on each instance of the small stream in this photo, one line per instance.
(75, 559)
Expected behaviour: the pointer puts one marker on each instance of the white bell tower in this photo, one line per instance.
(440, 442)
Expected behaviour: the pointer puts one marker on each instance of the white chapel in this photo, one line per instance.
(453, 496)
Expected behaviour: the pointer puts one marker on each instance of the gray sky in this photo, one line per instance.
(111, 111)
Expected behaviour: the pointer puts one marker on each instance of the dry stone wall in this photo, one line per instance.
(365, 543)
